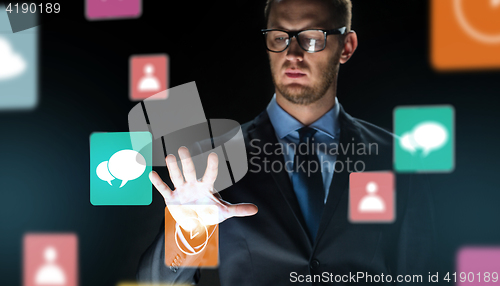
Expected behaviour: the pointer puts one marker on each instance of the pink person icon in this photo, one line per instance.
(371, 197)
(50, 259)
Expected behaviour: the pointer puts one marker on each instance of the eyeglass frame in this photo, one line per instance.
(291, 35)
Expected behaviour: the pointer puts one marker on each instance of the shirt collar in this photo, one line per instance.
(285, 124)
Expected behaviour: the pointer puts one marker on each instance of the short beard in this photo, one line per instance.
(305, 95)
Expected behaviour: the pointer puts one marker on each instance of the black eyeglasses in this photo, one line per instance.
(312, 41)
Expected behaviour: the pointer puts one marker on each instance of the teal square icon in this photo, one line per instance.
(425, 139)
(18, 66)
(120, 164)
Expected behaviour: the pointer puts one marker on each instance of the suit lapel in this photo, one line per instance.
(264, 132)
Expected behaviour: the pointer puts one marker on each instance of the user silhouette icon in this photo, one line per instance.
(149, 82)
(371, 202)
(50, 273)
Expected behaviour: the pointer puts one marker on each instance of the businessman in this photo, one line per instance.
(287, 220)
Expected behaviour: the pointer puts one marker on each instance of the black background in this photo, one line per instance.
(84, 88)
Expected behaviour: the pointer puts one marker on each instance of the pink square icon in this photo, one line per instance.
(112, 9)
(477, 266)
(50, 259)
(371, 197)
(148, 76)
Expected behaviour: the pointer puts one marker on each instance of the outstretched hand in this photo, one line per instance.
(186, 203)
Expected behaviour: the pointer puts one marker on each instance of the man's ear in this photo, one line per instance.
(350, 45)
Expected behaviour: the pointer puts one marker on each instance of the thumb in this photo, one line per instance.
(241, 210)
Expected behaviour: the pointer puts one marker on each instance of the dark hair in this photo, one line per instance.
(341, 11)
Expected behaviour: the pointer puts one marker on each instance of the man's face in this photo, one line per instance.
(299, 76)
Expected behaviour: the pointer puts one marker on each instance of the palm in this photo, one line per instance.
(195, 200)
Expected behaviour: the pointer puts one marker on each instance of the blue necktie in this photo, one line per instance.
(308, 185)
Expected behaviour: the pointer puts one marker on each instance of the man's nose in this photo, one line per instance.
(294, 51)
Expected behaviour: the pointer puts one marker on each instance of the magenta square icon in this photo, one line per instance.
(112, 9)
(477, 265)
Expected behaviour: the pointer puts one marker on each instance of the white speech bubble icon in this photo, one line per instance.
(103, 173)
(127, 165)
(408, 143)
(430, 136)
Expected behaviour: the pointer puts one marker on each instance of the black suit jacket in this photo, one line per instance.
(272, 247)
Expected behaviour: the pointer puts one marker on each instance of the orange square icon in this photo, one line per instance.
(371, 197)
(465, 34)
(50, 259)
(191, 241)
(148, 76)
